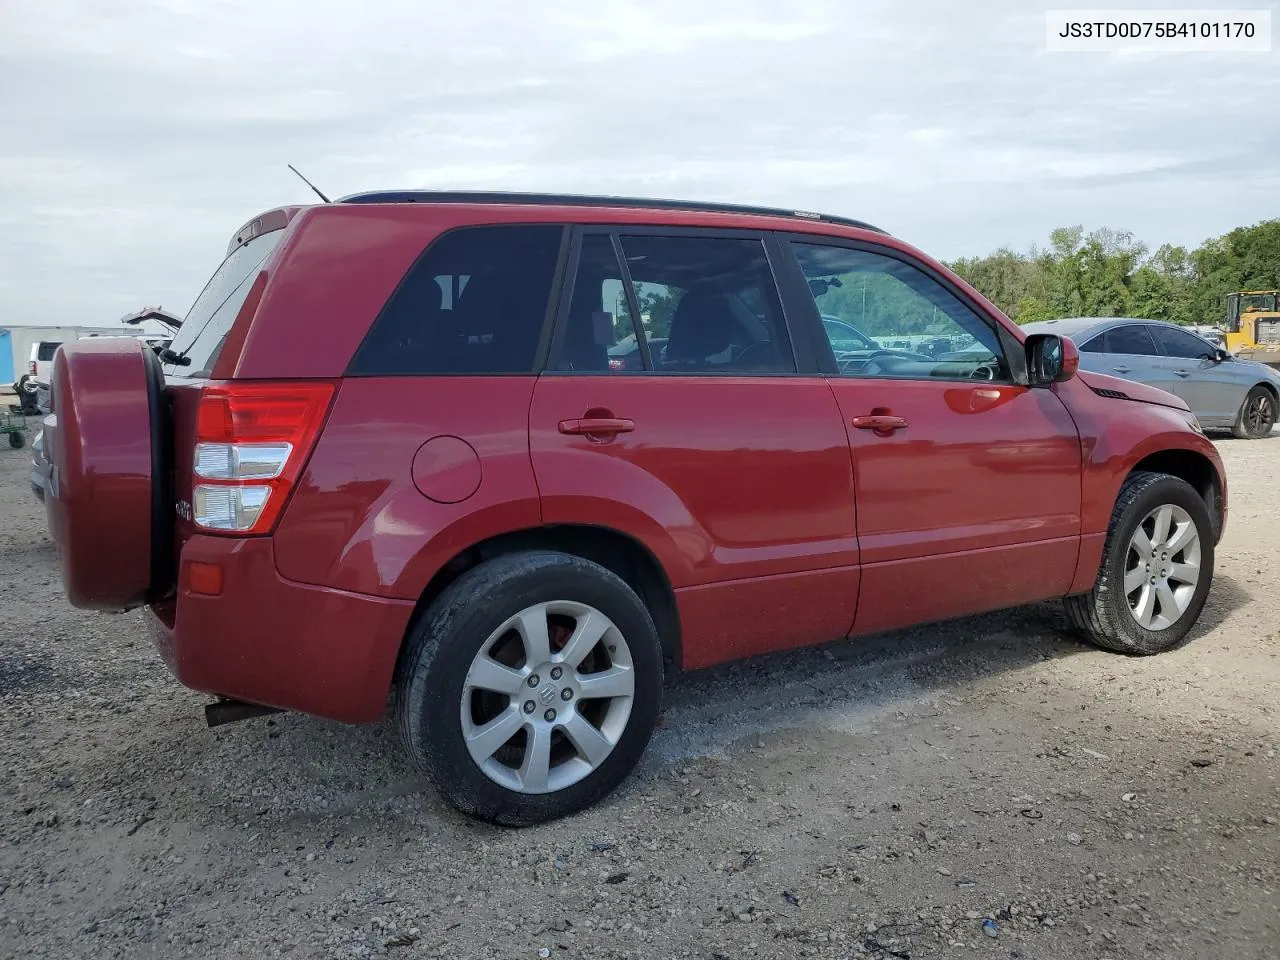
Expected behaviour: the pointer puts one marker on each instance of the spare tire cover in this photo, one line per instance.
(103, 440)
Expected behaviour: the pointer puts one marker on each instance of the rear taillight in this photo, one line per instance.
(252, 440)
(32, 368)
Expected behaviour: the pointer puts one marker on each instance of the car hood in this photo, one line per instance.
(1131, 390)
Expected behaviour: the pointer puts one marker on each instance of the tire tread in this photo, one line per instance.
(1094, 615)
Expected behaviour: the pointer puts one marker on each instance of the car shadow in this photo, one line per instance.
(844, 686)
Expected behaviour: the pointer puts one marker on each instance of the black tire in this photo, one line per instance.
(28, 393)
(1257, 415)
(16, 440)
(426, 697)
(1102, 616)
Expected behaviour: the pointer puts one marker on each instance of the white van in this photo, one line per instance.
(40, 363)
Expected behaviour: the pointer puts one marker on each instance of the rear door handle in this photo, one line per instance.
(1183, 373)
(597, 426)
(1120, 369)
(880, 423)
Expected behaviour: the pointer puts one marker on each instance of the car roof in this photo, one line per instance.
(1074, 326)
(585, 200)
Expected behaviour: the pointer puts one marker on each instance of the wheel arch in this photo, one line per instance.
(617, 552)
(1198, 471)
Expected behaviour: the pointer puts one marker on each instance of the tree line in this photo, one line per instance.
(1109, 273)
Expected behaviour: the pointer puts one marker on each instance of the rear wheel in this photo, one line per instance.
(1157, 567)
(1257, 415)
(530, 687)
(15, 440)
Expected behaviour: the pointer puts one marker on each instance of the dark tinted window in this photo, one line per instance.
(46, 350)
(474, 302)
(206, 324)
(708, 305)
(599, 336)
(1131, 339)
(1097, 344)
(1179, 343)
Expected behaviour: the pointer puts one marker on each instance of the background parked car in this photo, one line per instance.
(1224, 392)
(626, 355)
(37, 385)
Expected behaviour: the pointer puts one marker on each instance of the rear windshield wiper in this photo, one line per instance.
(177, 359)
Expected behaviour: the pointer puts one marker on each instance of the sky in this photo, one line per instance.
(138, 135)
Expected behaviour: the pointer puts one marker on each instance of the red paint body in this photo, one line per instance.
(777, 515)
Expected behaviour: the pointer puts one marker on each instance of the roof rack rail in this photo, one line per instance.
(583, 200)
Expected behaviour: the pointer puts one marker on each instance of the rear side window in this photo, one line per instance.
(705, 304)
(474, 303)
(206, 324)
(1133, 339)
(711, 301)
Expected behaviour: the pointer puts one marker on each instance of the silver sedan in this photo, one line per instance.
(1224, 392)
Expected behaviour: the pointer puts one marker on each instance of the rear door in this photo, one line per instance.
(722, 451)
(967, 482)
(1126, 351)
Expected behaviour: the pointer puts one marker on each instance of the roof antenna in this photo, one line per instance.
(310, 184)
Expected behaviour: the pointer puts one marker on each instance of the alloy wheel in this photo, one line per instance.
(547, 697)
(1162, 567)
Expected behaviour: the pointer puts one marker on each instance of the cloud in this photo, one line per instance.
(139, 134)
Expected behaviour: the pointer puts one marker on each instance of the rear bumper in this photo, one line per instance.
(268, 640)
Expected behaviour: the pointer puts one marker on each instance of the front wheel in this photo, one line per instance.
(530, 687)
(1157, 567)
(1257, 415)
(15, 440)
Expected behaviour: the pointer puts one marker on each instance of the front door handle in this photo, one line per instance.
(1120, 369)
(597, 426)
(1183, 373)
(883, 424)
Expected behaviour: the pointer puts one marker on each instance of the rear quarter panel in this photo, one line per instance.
(357, 520)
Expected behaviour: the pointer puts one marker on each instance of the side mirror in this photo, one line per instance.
(1221, 356)
(1050, 359)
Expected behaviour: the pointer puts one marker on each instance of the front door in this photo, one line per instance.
(967, 484)
(1213, 389)
(696, 434)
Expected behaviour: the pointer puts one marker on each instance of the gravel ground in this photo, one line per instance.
(883, 798)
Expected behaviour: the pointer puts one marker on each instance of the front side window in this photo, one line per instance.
(1179, 343)
(474, 303)
(886, 318)
(1132, 339)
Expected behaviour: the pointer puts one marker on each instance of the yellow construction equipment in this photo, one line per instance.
(1253, 325)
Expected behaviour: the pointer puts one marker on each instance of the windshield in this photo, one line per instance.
(207, 322)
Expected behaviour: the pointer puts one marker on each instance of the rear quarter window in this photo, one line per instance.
(46, 350)
(475, 302)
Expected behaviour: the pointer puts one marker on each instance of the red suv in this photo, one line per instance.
(387, 463)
